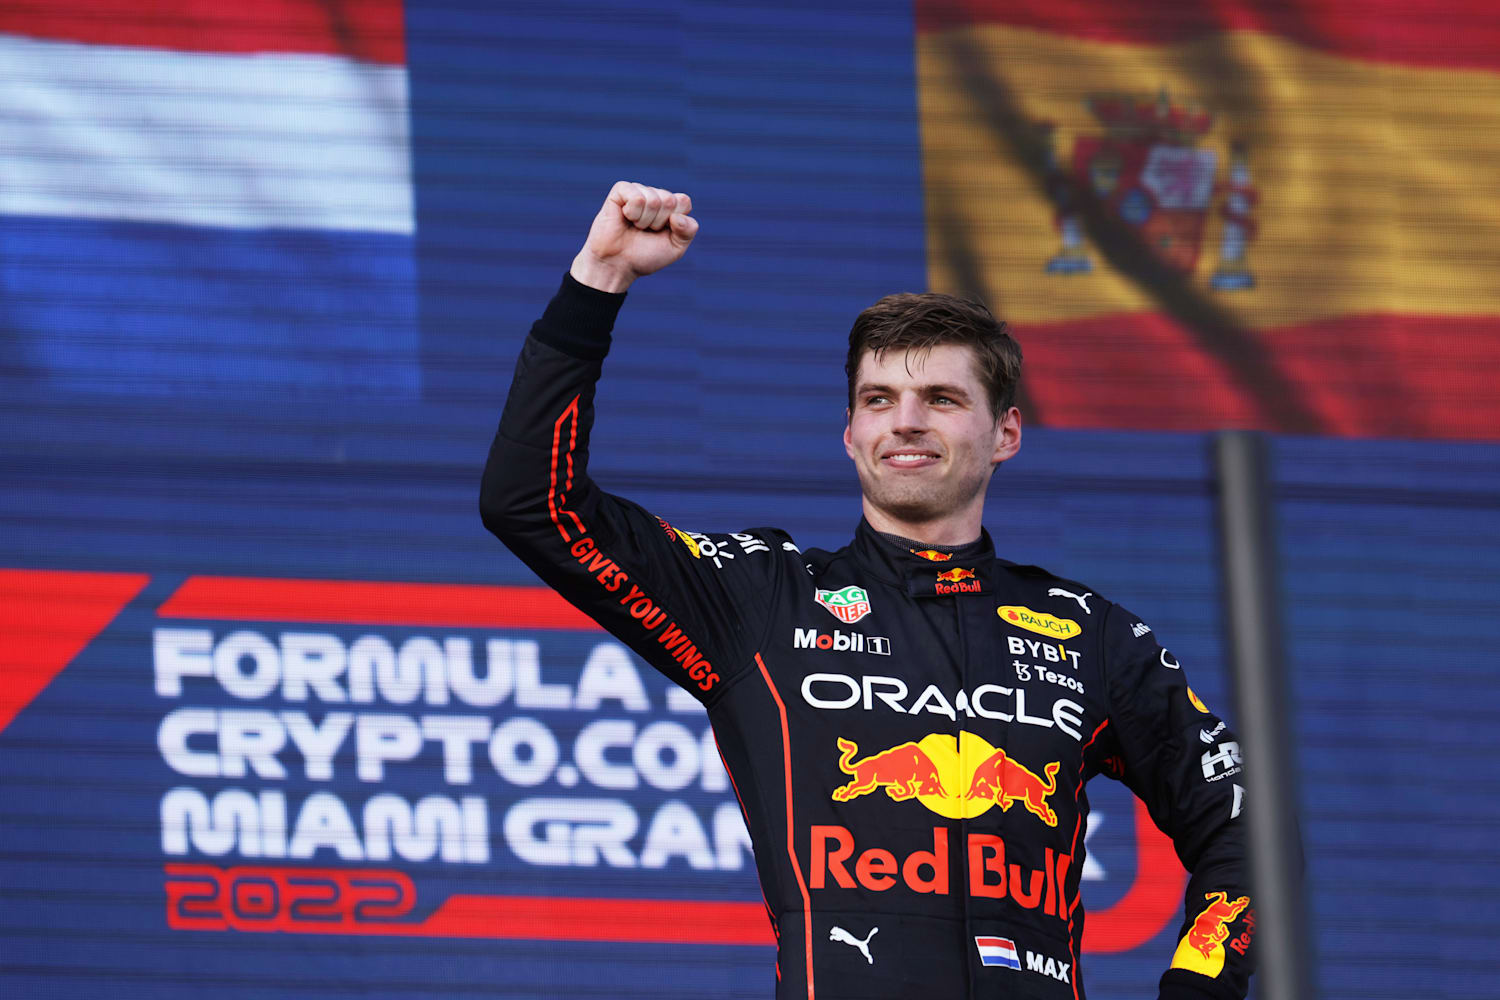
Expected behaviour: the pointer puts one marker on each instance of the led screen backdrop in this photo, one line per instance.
(280, 719)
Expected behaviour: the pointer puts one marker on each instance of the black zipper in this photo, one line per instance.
(963, 820)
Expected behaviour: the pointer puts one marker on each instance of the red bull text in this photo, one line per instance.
(957, 581)
(878, 869)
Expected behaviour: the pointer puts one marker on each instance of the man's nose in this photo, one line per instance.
(911, 414)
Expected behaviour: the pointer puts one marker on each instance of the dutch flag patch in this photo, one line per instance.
(997, 951)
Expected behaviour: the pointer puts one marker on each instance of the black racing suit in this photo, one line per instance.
(909, 738)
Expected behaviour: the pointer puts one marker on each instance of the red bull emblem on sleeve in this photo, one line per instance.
(848, 605)
(1201, 949)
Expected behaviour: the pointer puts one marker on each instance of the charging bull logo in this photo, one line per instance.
(956, 778)
(1003, 781)
(955, 574)
(903, 772)
(1202, 947)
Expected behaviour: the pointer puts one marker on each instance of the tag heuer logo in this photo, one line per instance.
(848, 605)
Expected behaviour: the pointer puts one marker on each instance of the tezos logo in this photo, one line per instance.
(840, 642)
(848, 605)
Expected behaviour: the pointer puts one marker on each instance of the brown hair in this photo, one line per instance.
(912, 322)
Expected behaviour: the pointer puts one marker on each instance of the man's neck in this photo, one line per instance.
(956, 529)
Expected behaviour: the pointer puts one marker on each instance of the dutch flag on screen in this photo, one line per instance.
(206, 197)
(997, 951)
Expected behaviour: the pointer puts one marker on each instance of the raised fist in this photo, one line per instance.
(639, 230)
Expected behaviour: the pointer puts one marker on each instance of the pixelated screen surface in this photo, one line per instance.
(281, 718)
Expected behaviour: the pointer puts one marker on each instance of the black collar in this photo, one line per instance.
(922, 575)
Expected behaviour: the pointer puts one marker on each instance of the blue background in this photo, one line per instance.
(794, 127)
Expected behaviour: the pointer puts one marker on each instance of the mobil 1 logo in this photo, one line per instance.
(839, 641)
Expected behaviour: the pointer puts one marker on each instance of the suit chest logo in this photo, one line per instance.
(848, 605)
(1038, 621)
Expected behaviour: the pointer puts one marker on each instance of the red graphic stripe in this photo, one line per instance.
(364, 602)
(540, 918)
(47, 617)
(557, 498)
(1450, 33)
(1376, 375)
(791, 849)
(770, 914)
(368, 30)
(1073, 844)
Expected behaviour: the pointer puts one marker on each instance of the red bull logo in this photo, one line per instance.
(904, 771)
(932, 555)
(1005, 782)
(956, 778)
(932, 871)
(957, 581)
(1202, 947)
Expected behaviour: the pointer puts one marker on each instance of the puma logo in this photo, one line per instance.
(1081, 599)
(839, 934)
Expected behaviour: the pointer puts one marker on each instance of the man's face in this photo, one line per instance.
(921, 433)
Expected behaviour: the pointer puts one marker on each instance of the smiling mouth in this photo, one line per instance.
(909, 459)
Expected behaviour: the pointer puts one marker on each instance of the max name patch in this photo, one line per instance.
(1038, 621)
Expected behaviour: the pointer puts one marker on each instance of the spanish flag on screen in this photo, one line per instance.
(1226, 213)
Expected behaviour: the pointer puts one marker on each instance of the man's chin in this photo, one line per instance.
(913, 510)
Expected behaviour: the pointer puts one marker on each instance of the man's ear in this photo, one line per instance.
(848, 434)
(1007, 435)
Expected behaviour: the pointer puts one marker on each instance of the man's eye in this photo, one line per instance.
(876, 400)
(942, 399)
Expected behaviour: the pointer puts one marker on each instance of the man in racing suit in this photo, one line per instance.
(909, 722)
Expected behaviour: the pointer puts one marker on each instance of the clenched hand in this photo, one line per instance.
(639, 230)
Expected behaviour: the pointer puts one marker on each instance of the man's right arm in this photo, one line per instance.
(695, 619)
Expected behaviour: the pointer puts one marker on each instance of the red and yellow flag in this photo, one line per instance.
(1222, 214)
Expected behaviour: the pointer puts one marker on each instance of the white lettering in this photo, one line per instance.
(530, 691)
(939, 706)
(815, 702)
(235, 820)
(437, 825)
(325, 823)
(172, 740)
(675, 831)
(459, 733)
(317, 744)
(266, 665)
(536, 765)
(680, 765)
(379, 738)
(179, 653)
(311, 660)
(609, 675)
(590, 748)
(481, 692)
(250, 736)
(892, 696)
(572, 832)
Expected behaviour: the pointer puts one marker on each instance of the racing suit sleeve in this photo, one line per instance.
(691, 605)
(1184, 763)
